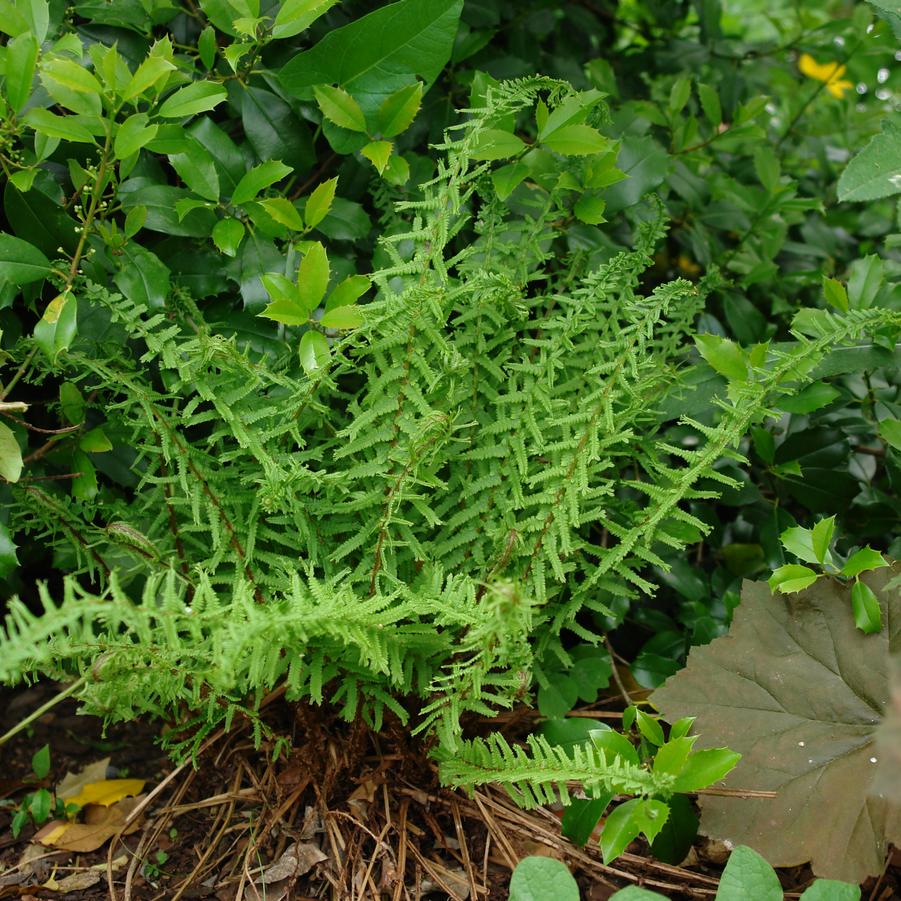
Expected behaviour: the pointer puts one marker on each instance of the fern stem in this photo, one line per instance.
(40, 711)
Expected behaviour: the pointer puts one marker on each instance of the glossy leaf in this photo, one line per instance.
(197, 169)
(890, 432)
(313, 276)
(865, 607)
(56, 328)
(705, 768)
(810, 399)
(347, 292)
(20, 262)
(257, 179)
(10, 454)
(821, 538)
(346, 317)
(320, 202)
(142, 276)
(378, 54)
(791, 578)
(284, 212)
(398, 110)
(21, 56)
(339, 107)
(286, 306)
(378, 153)
(133, 134)
(725, 356)
(626, 822)
(66, 128)
(314, 351)
(862, 561)
(295, 16)
(227, 235)
(149, 74)
(576, 140)
(494, 144)
(195, 98)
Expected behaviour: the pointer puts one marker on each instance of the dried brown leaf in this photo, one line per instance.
(99, 826)
(74, 882)
(72, 783)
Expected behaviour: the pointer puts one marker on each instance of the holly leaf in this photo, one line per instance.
(800, 693)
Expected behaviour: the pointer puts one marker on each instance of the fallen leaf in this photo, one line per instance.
(100, 825)
(72, 783)
(296, 860)
(74, 882)
(800, 693)
(106, 792)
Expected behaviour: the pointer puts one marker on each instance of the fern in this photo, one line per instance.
(410, 527)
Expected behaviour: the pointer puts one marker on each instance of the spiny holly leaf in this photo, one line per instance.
(800, 693)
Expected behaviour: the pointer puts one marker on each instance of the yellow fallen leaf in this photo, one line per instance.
(106, 792)
(101, 824)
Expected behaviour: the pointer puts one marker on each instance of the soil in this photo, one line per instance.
(345, 814)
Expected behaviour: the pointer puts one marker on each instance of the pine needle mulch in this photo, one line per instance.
(348, 815)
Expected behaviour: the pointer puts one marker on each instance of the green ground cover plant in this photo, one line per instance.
(346, 355)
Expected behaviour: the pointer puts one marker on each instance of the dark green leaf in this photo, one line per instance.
(258, 178)
(274, 131)
(380, 53)
(227, 235)
(40, 762)
(142, 277)
(812, 398)
(197, 169)
(21, 262)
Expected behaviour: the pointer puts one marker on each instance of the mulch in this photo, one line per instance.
(346, 815)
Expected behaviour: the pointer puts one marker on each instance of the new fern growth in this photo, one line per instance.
(478, 469)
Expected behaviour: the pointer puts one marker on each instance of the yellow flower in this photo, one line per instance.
(830, 73)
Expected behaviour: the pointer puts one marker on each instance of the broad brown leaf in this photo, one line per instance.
(800, 693)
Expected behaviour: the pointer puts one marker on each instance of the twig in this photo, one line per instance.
(37, 714)
(616, 677)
